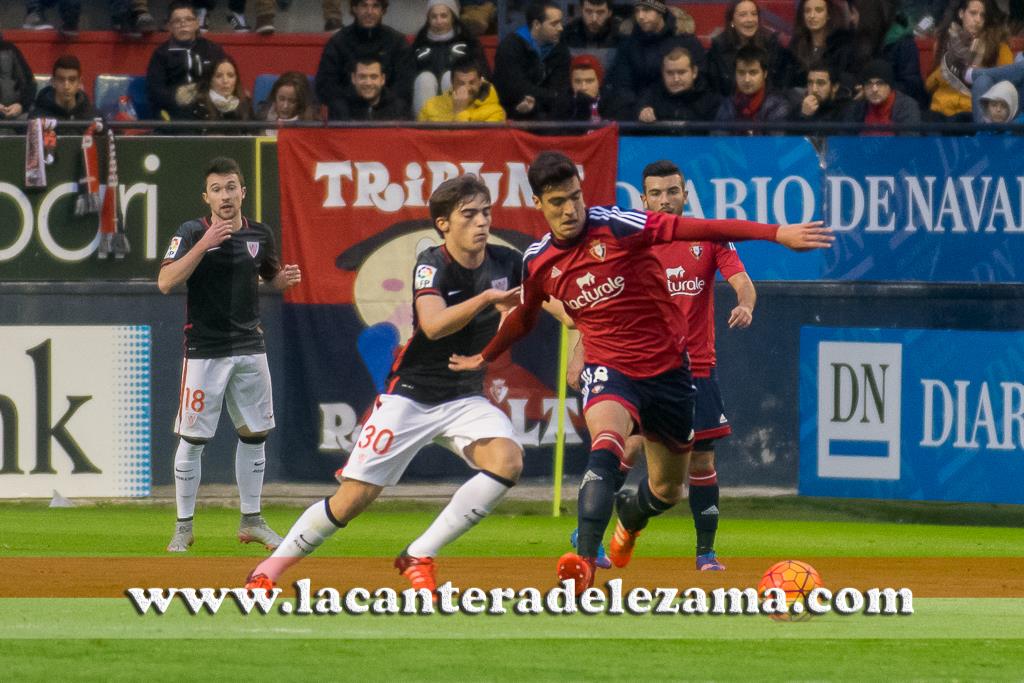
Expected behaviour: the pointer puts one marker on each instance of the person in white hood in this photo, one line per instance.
(1000, 103)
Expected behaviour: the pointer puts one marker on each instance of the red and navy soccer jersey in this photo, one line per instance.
(613, 286)
(689, 274)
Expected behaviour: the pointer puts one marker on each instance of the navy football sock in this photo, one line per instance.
(704, 507)
(596, 499)
(635, 510)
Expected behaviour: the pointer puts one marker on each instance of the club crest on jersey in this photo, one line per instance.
(253, 247)
(696, 250)
(501, 283)
(597, 250)
(425, 276)
(555, 272)
(498, 390)
(172, 250)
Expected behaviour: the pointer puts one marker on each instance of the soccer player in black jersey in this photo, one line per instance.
(222, 258)
(460, 290)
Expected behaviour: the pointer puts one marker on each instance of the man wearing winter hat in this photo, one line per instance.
(882, 104)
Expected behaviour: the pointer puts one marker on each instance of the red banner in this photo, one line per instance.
(354, 210)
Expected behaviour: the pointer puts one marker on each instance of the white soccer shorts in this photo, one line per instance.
(399, 427)
(243, 382)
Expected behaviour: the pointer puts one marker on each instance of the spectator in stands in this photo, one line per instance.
(882, 103)
(17, 84)
(370, 98)
(364, 37)
(266, 12)
(972, 36)
(821, 33)
(222, 97)
(1000, 103)
(478, 16)
(236, 15)
(531, 67)
(290, 100)
(882, 30)
(69, 10)
(637, 64)
(177, 66)
(743, 27)
(596, 29)
(826, 98)
(442, 40)
(64, 99)
(586, 75)
(981, 81)
(681, 95)
(752, 101)
(471, 97)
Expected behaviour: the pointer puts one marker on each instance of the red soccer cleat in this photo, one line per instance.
(620, 549)
(419, 571)
(259, 582)
(579, 569)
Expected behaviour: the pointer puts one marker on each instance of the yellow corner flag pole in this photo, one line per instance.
(563, 363)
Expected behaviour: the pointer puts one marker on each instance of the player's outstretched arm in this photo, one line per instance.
(517, 325)
(805, 236)
(437, 319)
(174, 273)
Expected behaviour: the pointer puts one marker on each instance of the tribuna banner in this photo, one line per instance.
(354, 216)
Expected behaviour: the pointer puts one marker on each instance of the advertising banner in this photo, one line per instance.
(932, 209)
(160, 185)
(354, 216)
(765, 179)
(912, 414)
(75, 411)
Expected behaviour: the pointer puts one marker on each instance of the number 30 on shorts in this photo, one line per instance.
(377, 440)
(194, 400)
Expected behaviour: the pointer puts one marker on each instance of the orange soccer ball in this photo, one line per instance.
(797, 579)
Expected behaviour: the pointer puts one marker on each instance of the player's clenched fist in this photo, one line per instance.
(288, 276)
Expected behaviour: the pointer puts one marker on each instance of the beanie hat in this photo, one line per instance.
(877, 68)
(585, 61)
(656, 5)
(453, 5)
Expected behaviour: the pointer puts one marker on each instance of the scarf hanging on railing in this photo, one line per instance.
(88, 200)
(113, 239)
(40, 145)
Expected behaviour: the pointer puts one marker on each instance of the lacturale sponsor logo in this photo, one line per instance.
(600, 292)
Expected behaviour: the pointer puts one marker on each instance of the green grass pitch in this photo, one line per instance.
(946, 639)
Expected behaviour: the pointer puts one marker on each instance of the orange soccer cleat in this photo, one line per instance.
(620, 549)
(579, 569)
(419, 571)
(259, 582)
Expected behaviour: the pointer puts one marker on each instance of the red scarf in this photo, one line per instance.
(747, 106)
(880, 113)
(89, 184)
(113, 239)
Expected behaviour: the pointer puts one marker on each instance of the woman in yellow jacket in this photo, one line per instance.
(470, 99)
(973, 27)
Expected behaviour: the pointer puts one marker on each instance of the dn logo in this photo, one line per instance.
(46, 431)
(855, 390)
(859, 410)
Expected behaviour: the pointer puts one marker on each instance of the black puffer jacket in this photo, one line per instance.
(16, 81)
(334, 74)
(352, 107)
(519, 71)
(696, 104)
(437, 56)
(174, 64)
(721, 71)
(46, 107)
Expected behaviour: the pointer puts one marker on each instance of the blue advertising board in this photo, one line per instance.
(912, 414)
(766, 179)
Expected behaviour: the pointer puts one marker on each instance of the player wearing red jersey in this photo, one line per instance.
(599, 264)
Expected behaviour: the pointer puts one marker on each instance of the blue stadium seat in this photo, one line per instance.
(110, 87)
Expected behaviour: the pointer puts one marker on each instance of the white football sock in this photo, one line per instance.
(250, 464)
(307, 534)
(471, 503)
(187, 472)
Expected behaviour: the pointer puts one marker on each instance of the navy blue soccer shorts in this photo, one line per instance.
(709, 420)
(662, 406)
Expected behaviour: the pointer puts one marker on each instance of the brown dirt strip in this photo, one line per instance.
(110, 576)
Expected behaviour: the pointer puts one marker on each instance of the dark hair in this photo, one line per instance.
(352, 4)
(367, 60)
(658, 169)
(465, 64)
(834, 73)
(801, 44)
(69, 63)
(222, 166)
(538, 11)
(675, 53)
(302, 93)
(550, 169)
(992, 34)
(596, 2)
(752, 53)
(207, 81)
(733, 36)
(180, 4)
(451, 194)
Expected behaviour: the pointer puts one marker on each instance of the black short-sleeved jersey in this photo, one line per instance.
(223, 313)
(421, 370)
